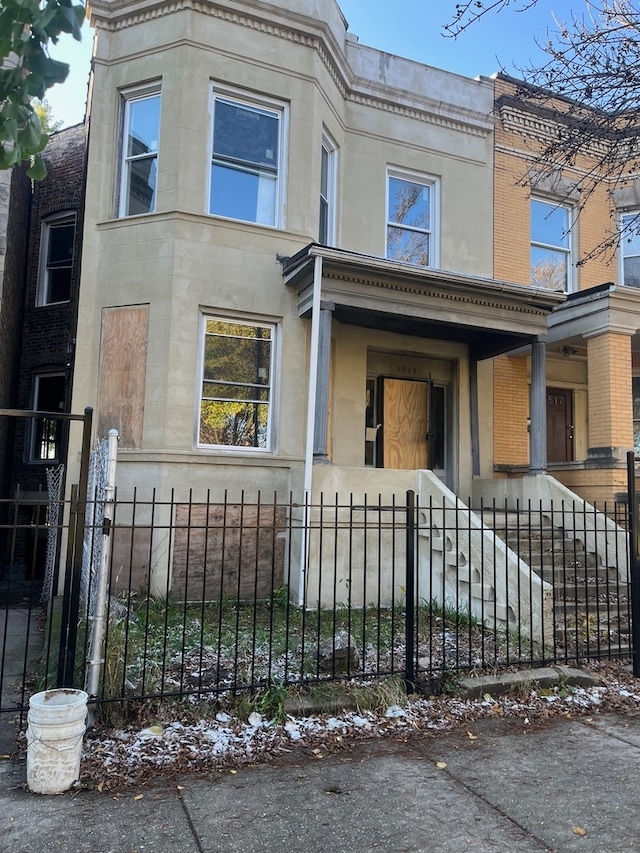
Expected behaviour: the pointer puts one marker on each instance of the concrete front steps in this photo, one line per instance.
(591, 604)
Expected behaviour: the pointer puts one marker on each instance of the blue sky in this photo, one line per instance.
(413, 28)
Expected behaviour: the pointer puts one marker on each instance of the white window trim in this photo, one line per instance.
(621, 254)
(242, 96)
(61, 218)
(127, 97)
(332, 150)
(274, 367)
(431, 181)
(572, 277)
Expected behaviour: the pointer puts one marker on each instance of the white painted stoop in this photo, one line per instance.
(461, 562)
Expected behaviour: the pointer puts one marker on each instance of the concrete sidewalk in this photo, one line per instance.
(571, 785)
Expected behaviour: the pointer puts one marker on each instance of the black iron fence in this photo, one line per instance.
(207, 597)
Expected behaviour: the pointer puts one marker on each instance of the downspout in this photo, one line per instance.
(311, 419)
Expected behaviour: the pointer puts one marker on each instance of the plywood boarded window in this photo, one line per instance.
(228, 549)
(123, 369)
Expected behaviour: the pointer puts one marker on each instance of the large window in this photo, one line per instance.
(46, 433)
(247, 160)
(630, 249)
(140, 153)
(237, 370)
(326, 231)
(56, 259)
(410, 219)
(550, 245)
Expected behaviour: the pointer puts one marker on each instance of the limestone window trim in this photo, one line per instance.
(237, 383)
(139, 149)
(555, 187)
(248, 156)
(328, 191)
(412, 217)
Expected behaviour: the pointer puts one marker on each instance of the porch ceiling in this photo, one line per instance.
(490, 316)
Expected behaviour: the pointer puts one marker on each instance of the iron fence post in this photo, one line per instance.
(69, 631)
(634, 574)
(409, 678)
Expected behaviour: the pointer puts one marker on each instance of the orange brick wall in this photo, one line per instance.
(511, 401)
(514, 156)
(610, 396)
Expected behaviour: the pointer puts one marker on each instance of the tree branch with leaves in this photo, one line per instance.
(27, 27)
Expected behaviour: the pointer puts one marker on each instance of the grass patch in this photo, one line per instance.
(266, 654)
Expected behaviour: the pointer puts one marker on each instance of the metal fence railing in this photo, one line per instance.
(206, 597)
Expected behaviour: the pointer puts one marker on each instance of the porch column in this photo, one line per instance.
(321, 424)
(538, 410)
(610, 399)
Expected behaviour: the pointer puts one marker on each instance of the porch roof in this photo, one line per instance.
(595, 311)
(490, 316)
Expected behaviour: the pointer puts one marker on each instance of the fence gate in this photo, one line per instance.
(25, 523)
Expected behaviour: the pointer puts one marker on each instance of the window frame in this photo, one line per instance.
(127, 98)
(256, 103)
(57, 442)
(328, 194)
(632, 214)
(273, 386)
(49, 224)
(568, 251)
(433, 184)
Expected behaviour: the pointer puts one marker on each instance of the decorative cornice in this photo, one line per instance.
(542, 128)
(471, 297)
(117, 16)
(424, 115)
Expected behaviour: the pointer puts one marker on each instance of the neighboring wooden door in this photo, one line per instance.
(559, 425)
(404, 424)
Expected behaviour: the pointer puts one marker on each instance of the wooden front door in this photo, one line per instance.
(559, 425)
(404, 424)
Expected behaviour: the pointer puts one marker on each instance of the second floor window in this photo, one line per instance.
(410, 220)
(56, 260)
(630, 250)
(140, 153)
(247, 160)
(329, 155)
(550, 245)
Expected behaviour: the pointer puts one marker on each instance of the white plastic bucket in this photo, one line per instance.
(56, 727)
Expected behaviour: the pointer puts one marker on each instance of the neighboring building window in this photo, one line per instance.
(550, 245)
(410, 220)
(140, 153)
(247, 160)
(237, 370)
(630, 249)
(326, 231)
(56, 259)
(46, 433)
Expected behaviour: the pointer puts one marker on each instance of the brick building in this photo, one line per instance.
(15, 202)
(546, 233)
(44, 246)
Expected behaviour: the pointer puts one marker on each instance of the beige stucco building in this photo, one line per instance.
(288, 271)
